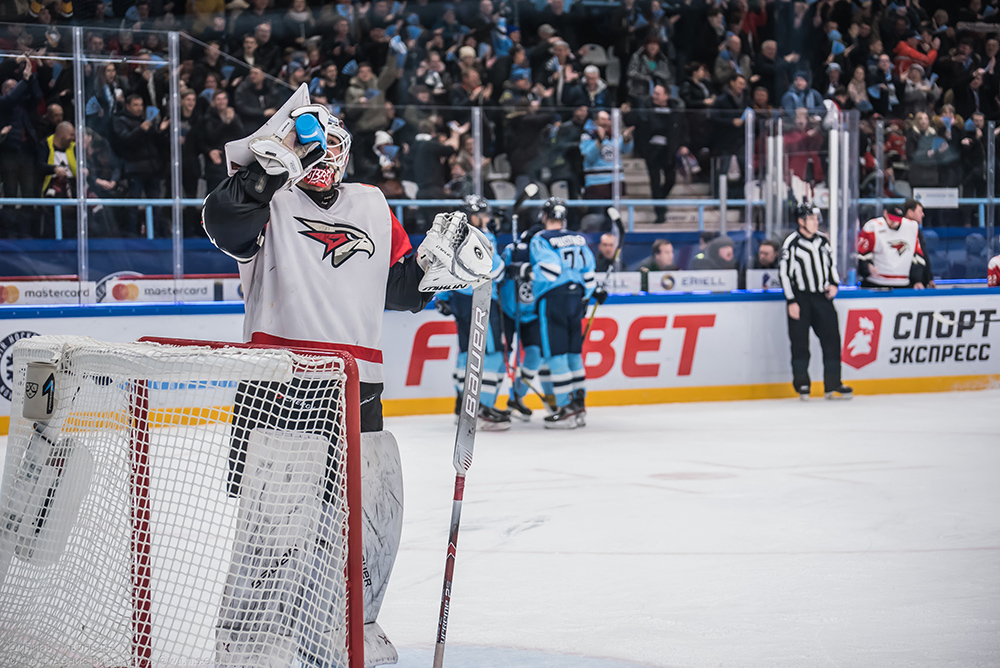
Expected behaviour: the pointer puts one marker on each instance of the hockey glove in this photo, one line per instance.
(454, 255)
(600, 295)
(442, 307)
(282, 162)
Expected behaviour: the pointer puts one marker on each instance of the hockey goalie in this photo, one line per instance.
(319, 261)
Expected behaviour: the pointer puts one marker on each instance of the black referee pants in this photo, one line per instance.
(816, 312)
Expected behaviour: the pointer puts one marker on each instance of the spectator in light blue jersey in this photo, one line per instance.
(597, 147)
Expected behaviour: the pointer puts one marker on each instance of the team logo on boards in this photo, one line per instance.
(340, 241)
(861, 337)
(7, 361)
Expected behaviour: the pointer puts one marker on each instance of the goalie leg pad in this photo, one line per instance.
(279, 599)
(382, 507)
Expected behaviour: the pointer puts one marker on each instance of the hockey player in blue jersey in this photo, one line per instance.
(459, 304)
(562, 267)
(518, 303)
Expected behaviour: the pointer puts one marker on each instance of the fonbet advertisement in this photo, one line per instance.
(655, 351)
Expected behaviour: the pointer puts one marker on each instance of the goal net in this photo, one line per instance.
(181, 505)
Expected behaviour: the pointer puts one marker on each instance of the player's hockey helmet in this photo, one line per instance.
(330, 170)
(806, 209)
(475, 204)
(554, 208)
(894, 212)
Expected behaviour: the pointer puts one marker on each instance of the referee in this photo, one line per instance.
(809, 280)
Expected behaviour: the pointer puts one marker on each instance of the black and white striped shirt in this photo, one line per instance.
(806, 265)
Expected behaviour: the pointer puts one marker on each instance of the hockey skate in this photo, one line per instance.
(491, 419)
(803, 392)
(577, 404)
(566, 417)
(517, 409)
(843, 392)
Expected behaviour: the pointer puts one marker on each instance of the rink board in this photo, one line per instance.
(642, 349)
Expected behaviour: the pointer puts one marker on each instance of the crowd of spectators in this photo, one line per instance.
(405, 74)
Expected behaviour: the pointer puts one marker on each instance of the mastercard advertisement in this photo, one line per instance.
(132, 289)
(27, 293)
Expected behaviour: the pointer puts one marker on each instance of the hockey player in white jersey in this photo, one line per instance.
(889, 251)
(319, 262)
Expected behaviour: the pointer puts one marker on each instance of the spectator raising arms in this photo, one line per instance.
(18, 99)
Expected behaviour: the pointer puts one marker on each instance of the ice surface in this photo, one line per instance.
(764, 533)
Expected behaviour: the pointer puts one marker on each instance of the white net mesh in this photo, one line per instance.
(182, 507)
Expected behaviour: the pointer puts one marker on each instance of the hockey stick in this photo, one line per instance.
(616, 218)
(464, 440)
(529, 191)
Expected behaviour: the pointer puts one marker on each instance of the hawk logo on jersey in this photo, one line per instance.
(340, 241)
(899, 246)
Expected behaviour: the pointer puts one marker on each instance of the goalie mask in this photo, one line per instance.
(329, 171)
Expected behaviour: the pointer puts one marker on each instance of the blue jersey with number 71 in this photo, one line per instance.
(559, 257)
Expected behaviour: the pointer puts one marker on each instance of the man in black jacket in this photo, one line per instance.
(18, 140)
(727, 123)
(254, 100)
(660, 132)
(220, 125)
(141, 144)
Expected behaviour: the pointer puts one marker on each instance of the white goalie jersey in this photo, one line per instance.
(318, 280)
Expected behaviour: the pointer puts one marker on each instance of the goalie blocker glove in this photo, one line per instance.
(281, 162)
(454, 255)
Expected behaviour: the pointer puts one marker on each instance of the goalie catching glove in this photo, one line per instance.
(454, 255)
